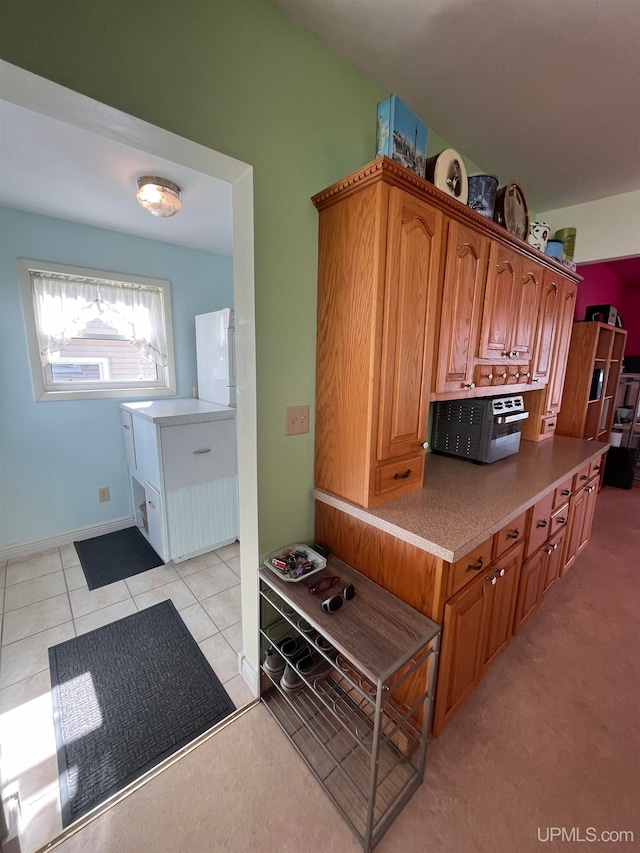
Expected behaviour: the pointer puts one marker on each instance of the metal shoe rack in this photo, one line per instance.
(362, 726)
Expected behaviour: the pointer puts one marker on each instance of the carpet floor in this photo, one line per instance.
(548, 739)
(125, 696)
(115, 556)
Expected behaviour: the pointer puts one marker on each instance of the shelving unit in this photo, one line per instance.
(351, 725)
(594, 346)
(627, 419)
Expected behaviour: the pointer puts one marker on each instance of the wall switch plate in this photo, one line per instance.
(297, 420)
(103, 494)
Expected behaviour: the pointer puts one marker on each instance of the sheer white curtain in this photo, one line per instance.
(63, 307)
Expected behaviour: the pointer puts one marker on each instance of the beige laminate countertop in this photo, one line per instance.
(462, 504)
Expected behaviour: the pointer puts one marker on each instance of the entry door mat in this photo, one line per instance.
(115, 556)
(126, 696)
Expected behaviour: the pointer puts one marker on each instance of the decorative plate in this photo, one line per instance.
(511, 210)
(447, 172)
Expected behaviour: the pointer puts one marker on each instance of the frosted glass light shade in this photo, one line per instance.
(159, 196)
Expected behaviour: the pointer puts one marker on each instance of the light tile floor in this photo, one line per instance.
(44, 600)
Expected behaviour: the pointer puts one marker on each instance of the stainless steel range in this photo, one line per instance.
(484, 430)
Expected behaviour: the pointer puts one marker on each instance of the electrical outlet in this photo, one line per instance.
(297, 420)
(103, 494)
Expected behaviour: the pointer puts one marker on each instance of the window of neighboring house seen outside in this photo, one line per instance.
(96, 334)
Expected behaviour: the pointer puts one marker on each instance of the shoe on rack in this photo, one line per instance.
(293, 648)
(274, 663)
(291, 681)
(313, 666)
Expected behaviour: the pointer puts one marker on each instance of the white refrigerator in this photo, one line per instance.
(215, 353)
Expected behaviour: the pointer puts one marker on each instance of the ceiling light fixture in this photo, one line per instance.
(159, 196)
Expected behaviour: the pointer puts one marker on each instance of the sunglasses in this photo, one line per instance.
(331, 605)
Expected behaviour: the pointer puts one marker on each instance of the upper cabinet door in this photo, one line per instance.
(413, 254)
(526, 304)
(550, 304)
(566, 311)
(503, 277)
(462, 295)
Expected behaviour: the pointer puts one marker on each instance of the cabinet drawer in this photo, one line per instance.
(559, 519)
(467, 568)
(562, 493)
(483, 375)
(198, 453)
(580, 478)
(540, 525)
(510, 533)
(399, 476)
(595, 467)
(548, 424)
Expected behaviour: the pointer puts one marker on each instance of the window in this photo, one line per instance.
(92, 334)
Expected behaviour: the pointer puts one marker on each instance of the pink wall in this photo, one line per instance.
(630, 314)
(614, 283)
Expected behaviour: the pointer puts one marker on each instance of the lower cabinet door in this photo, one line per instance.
(154, 519)
(554, 562)
(501, 605)
(575, 527)
(529, 591)
(460, 657)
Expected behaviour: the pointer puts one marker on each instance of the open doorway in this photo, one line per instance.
(42, 97)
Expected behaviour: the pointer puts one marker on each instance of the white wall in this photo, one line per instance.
(607, 229)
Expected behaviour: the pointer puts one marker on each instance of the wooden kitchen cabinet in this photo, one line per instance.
(461, 310)
(378, 267)
(510, 310)
(477, 628)
(538, 575)
(581, 509)
(552, 347)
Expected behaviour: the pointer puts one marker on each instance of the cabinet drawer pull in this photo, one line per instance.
(151, 504)
(404, 476)
(584, 477)
(551, 425)
(425, 445)
(565, 492)
(535, 379)
(500, 572)
(488, 376)
(469, 385)
(526, 375)
(542, 523)
(125, 426)
(596, 467)
(502, 376)
(475, 567)
(548, 550)
(493, 581)
(590, 489)
(562, 520)
(204, 450)
(514, 534)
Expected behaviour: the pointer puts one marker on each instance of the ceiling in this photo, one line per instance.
(543, 93)
(51, 168)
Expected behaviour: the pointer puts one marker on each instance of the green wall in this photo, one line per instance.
(241, 77)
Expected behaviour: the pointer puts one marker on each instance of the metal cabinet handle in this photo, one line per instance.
(500, 572)
(204, 450)
(502, 376)
(526, 375)
(565, 492)
(469, 385)
(514, 534)
(425, 445)
(535, 379)
(548, 550)
(513, 354)
(584, 477)
(493, 581)
(542, 523)
(151, 504)
(562, 520)
(596, 467)
(404, 476)
(475, 567)
(590, 489)
(125, 426)
(515, 376)
(488, 376)
(551, 425)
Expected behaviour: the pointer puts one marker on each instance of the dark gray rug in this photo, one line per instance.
(125, 696)
(115, 556)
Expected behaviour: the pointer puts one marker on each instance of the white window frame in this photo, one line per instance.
(43, 389)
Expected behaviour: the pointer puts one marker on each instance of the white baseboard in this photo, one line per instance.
(35, 546)
(248, 673)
